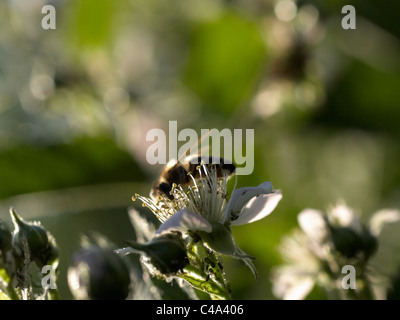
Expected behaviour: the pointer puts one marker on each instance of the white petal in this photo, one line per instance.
(241, 196)
(292, 283)
(343, 216)
(301, 290)
(258, 207)
(183, 221)
(267, 187)
(314, 225)
(382, 217)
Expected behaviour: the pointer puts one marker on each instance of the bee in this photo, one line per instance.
(177, 172)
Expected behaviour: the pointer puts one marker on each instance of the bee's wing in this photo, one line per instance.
(203, 154)
(184, 157)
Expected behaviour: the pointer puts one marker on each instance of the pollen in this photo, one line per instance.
(206, 196)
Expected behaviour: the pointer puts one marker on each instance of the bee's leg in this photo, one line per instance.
(182, 174)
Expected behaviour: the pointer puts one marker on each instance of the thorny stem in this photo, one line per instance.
(26, 280)
(205, 272)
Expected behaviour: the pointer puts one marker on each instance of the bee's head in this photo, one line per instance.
(162, 188)
(165, 188)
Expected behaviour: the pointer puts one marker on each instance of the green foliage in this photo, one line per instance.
(76, 103)
(225, 60)
(84, 161)
(92, 22)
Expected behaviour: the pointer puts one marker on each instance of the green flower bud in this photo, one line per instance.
(5, 238)
(352, 244)
(164, 255)
(98, 274)
(33, 237)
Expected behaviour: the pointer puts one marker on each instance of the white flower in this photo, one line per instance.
(295, 279)
(207, 208)
(203, 209)
(342, 227)
(325, 243)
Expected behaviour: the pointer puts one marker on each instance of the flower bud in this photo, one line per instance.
(5, 238)
(98, 274)
(33, 237)
(164, 255)
(352, 244)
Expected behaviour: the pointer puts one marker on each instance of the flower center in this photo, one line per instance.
(206, 196)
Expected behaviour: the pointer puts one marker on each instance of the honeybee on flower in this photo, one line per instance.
(202, 213)
(202, 208)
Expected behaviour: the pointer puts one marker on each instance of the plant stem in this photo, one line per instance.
(199, 281)
(53, 294)
(204, 272)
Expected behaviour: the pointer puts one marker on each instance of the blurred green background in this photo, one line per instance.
(76, 103)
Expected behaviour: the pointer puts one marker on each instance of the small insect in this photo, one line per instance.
(177, 172)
